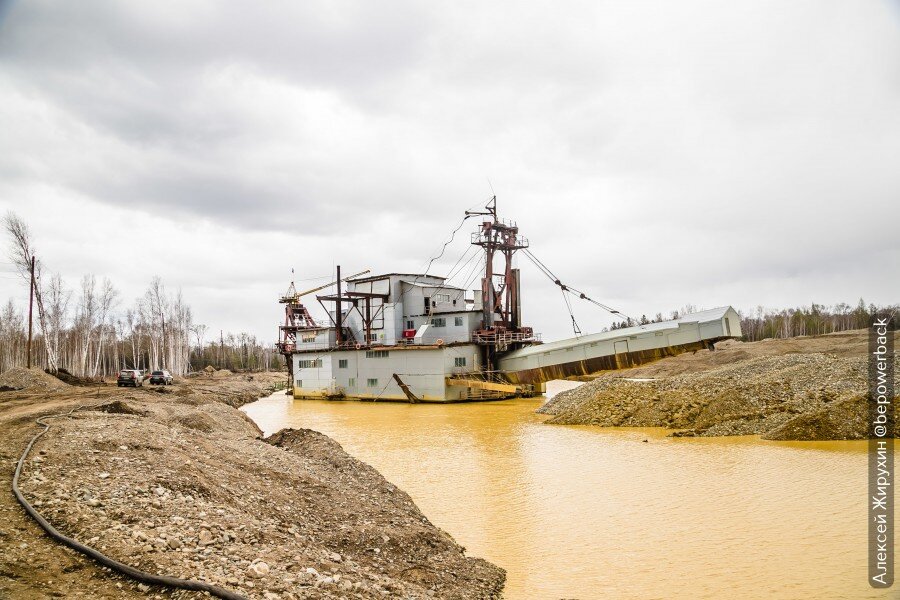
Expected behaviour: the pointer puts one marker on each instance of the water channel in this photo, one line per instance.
(586, 512)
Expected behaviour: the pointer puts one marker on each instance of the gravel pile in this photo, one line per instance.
(235, 391)
(790, 396)
(182, 487)
(30, 380)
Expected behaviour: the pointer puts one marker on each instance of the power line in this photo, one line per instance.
(447, 243)
(451, 274)
(439, 255)
(567, 288)
(472, 275)
(476, 259)
(315, 278)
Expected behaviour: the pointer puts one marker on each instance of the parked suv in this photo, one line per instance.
(161, 377)
(131, 377)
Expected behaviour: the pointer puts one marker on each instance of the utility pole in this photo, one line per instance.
(30, 309)
(221, 347)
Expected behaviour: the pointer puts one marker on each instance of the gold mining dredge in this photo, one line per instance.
(413, 337)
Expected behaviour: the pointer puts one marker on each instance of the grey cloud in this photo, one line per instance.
(656, 152)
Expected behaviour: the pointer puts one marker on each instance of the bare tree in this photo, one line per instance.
(57, 305)
(85, 316)
(22, 253)
(199, 332)
(156, 304)
(106, 301)
(12, 337)
(134, 335)
(88, 337)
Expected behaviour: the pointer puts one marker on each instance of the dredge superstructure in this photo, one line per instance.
(414, 337)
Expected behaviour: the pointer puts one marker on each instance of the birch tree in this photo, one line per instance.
(12, 337)
(105, 302)
(22, 254)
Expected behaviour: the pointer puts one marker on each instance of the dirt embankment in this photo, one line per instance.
(174, 481)
(31, 380)
(810, 388)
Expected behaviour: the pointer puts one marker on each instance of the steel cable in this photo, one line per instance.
(567, 288)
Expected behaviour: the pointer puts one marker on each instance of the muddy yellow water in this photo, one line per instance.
(582, 512)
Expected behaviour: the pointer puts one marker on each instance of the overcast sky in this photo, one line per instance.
(655, 153)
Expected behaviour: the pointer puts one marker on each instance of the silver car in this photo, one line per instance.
(131, 377)
(161, 378)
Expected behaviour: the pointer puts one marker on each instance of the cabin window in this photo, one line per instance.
(459, 361)
(458, 321)
(310, 364)
(410, 325)
(373, 337)
(342, 363)
(351, 382)
(307, 338)
(299, 383)
(371, 382)
(376, 353)
(439, 322)
(442, 297)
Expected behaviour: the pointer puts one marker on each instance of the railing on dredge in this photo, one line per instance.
(505, 337)
(500, 339)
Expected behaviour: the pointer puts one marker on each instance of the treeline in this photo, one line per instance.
(763, 323)
(89, 334)
(815, 319)
(237, 352)
(658, 318)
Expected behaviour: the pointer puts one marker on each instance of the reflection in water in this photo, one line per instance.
(582, 512)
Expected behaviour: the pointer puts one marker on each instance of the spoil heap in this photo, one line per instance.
(30, 380)
(176, 485)
(768, 388)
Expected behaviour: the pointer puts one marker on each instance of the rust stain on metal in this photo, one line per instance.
(611, 362)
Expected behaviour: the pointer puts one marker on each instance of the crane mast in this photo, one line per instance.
(297, 317)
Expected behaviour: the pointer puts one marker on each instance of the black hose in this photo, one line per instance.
(142, 576)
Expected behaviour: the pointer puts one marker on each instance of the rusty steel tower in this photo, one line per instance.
(501, 326)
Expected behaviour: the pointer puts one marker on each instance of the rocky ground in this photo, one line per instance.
(809, 388)
(175, 481)
(31, 380)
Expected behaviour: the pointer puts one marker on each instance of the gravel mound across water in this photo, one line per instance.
(813, 396)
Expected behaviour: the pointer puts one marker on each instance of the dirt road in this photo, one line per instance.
(31, 565)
